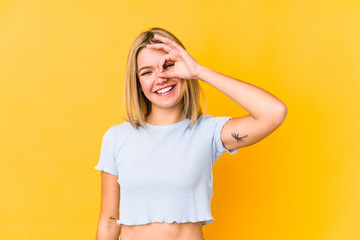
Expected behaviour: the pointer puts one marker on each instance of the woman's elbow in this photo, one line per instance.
(280, 113)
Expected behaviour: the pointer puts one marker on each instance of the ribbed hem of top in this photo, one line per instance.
(205, 221)
(100, 168)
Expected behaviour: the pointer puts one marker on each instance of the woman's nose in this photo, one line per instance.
(159, 79)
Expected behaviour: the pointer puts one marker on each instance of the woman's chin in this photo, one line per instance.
(167, 105)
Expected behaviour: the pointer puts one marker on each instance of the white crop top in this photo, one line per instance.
(165, 172)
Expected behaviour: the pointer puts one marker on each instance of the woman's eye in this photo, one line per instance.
(144, 73)
(169, 65)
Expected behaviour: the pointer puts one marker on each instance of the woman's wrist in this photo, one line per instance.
(200, 72)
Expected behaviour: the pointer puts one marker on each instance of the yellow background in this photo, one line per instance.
(62, 69)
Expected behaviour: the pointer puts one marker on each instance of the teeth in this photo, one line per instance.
(164, 90)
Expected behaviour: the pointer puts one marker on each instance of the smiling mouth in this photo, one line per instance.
(165, 90)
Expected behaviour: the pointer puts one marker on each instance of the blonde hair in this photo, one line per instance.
(138, 107)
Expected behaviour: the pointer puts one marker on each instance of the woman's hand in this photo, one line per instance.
(185, 66)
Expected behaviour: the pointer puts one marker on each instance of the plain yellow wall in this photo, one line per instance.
(62, 68)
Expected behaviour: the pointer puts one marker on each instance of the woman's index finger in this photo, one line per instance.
(170, 42)
(162, 46)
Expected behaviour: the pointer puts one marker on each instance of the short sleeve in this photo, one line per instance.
(107, 160)
(218, 147)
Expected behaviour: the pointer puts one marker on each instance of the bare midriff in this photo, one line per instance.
(163, 231)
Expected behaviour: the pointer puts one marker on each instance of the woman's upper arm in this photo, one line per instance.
(244, 131)
(110, 196)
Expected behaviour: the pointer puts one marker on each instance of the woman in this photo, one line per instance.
(159, 163)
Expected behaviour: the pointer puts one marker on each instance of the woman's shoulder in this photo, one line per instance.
(209, 121)
(122, 128)
(211, 117)
(120, 132)
(203, 119)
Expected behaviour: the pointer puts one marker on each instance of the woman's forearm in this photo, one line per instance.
(108, 230)
(258, 102)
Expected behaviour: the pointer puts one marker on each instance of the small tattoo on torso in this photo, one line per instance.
(112, 218)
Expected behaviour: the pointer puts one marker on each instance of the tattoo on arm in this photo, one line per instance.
(237, 138)
(112, 218)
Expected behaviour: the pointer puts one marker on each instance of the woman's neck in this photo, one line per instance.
(163, 116)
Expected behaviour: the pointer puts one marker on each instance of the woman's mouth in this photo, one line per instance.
(165, 91)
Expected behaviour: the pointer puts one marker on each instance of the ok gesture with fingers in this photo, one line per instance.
(185, 66)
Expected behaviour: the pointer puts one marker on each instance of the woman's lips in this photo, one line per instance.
(166, 93)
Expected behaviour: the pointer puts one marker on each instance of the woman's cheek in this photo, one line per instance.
(144, 83)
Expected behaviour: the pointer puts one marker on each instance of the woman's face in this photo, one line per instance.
(161, 92)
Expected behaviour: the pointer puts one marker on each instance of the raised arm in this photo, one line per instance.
(266, 111)
(108, 229)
